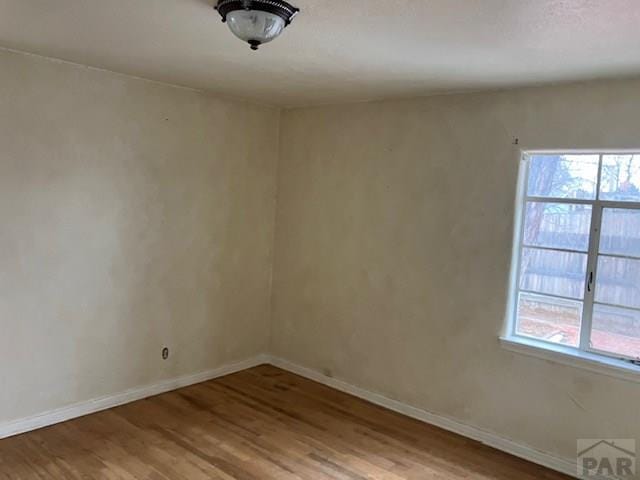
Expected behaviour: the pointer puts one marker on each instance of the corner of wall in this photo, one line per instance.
(274, 239)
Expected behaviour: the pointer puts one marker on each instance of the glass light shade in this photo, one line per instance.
(255, 26)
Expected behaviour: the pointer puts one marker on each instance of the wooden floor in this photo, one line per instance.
(262, 423)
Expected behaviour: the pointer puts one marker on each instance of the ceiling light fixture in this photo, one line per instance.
(256, 21)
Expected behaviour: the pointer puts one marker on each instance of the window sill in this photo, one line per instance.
(574, 358)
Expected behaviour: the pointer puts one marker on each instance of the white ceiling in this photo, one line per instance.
(339, 50)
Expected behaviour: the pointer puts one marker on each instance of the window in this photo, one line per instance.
(577, 257)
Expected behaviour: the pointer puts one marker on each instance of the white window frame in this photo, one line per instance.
(583, 356)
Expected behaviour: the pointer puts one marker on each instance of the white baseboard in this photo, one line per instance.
(85, 408)
(91, 406)
(565, 466)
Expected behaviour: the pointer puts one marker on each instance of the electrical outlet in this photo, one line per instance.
(165, 353)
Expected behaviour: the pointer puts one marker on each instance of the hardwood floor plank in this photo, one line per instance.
(263, 423)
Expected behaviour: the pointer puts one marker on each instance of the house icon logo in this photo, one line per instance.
(607, 458)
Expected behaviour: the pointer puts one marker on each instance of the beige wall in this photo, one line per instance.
(137, 215)
(393, 245)
(133, 215)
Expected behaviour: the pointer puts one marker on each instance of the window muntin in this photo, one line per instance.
(578, 253)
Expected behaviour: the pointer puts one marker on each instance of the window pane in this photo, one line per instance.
(616, 330)
(618, 281)
(620, 178)
(550, 319)
(620, 232)
(556, 273)
(557, 225)
(563, 176)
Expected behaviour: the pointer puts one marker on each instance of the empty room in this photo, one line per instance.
(319, 239)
